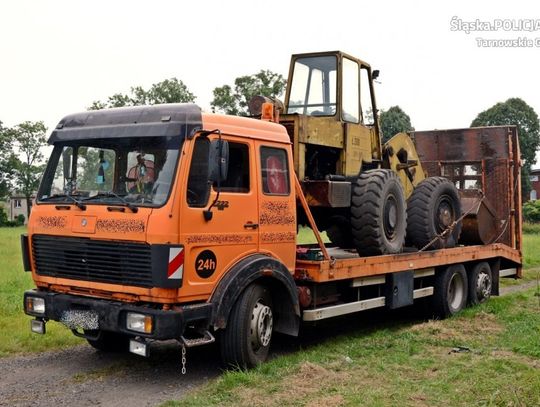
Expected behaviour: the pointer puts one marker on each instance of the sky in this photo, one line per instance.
(57, 57)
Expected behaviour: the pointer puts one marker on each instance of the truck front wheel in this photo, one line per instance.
(245, 342)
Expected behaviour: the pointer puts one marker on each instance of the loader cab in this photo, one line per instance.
(333, 85)
(329, 115)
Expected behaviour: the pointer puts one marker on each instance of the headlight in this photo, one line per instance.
(35, 305)
(139, 323)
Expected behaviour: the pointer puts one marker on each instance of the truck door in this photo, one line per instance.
(212, 246)
(277, 204)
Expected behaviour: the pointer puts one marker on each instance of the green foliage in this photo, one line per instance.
(516, 112)
(531, 211)
(24, 161)
(167, 91)
(20, 219)
(394, 121)
(235, 102)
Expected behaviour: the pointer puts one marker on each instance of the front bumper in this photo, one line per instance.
(111, 315)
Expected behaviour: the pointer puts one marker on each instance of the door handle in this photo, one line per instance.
(251, 225)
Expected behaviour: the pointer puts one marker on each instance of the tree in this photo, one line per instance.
(235, 102)
(5, 170)
(25, 159)
(516, 112)
(394, 121)
(167, 91)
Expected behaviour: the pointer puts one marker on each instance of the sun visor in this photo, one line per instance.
(139, 121)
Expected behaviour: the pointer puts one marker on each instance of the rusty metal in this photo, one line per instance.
(480, 223)
(486, 159)
(304, 296)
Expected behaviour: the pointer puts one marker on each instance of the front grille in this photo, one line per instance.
(93, 260)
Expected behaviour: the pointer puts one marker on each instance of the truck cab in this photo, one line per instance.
(148, 208)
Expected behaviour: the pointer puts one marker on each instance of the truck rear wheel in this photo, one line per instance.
(109, 342)
(378, 215)
(450, 291)
(245, 342)
(480, 281)
(433, 206)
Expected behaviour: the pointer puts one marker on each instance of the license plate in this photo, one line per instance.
(80, 319)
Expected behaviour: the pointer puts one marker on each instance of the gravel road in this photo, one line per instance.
(83, 376)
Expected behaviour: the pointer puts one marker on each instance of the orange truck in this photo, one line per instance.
(163, 222)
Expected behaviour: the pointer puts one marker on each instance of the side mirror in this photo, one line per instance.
(375, 74)
(218, 160)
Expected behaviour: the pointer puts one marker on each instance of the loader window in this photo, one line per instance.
(313, 86)
(350, 102)
(275, 171)
(366, 103)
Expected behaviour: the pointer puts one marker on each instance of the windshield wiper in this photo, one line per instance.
(78, 203)
(110, 194)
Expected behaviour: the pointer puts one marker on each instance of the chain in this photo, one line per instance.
(183, 358)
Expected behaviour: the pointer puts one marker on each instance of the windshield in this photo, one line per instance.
(135, 171)
(313, 87)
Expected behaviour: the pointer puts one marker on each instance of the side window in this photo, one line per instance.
(365, 98)
(198, 188)
(275, 171)
(350, 91)
(238, 173)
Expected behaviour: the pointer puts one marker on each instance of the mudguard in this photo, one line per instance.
(265, 270)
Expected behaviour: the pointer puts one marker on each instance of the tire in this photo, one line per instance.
(246, 340)
(480, 283)
(378, 215)
(433, 206)
(450, 291)
(110, 342)
(339, 232)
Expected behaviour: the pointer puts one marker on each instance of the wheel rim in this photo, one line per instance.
(261, 326)
(390, 217)
(444, 214)
(483, 286)
(456, 292)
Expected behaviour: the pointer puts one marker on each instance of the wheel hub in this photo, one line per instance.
(483, 286)
(262, 323)
(390, 217)
(444, 216)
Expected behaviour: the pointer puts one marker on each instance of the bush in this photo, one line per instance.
(20, 219)
(531, 211)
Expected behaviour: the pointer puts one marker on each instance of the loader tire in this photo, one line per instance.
(433, 206)
(245, 342)
(378, 215)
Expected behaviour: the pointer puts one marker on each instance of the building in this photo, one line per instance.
(535, 184)
(16, 206)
